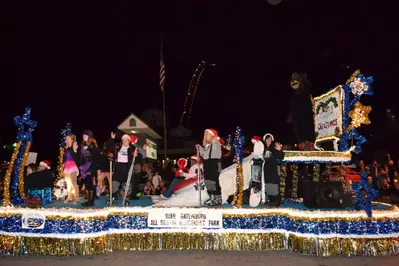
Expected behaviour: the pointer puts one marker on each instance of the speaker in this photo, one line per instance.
(326, 196)
(330, 195)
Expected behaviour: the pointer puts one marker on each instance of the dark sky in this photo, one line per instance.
(91, 63)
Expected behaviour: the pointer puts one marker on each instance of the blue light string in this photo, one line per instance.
(238, 145)
(64, 133)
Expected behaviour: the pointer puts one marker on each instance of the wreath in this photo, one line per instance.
(326, 103)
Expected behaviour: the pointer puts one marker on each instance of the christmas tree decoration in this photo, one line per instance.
(14, 177)
(238, 157)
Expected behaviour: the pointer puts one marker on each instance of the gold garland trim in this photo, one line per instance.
(21, 173)
(46, 246)
(7, 176)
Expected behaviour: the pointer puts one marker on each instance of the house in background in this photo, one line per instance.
(133, 125)
(180, 143)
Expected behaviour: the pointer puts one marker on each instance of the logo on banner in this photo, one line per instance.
(201, 218)
(33, 221)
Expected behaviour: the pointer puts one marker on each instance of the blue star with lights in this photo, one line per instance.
(364, 194)
(358, 85)
(25, 126)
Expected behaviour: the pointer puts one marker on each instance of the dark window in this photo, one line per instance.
(132, 122)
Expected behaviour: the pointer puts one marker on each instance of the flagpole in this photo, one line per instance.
(164, 114)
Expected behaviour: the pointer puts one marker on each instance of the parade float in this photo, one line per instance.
(367, 229)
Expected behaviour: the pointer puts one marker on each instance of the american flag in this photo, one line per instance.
(162, 72)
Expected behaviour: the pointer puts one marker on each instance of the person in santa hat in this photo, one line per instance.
(256, 170)
(42, 178)
(123, 159)
(195, 166)
(179, 177)
(272, 155)
(211, 152)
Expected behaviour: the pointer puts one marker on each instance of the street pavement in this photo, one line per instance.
(194, 258)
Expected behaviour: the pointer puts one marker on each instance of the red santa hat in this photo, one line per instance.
(45, 163)
(255, 138)
(212, 132)
(134, 139)
(222, 142)
(195, 157)
(268, 135)
(182, 163)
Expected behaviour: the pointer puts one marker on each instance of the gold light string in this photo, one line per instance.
(283, 178)
(316, 172)
(7, 176)
(295, 174)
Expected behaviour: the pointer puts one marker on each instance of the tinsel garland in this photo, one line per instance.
(295, 174)
(358, 85)
(15, 187)
(283, 177)
(238, 157)
(7, 176)
(328, 170)
(318, 246)
(21, 174)
(364, 194)
(316, 173)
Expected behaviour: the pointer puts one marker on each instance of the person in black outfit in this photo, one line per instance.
(123, 157)
(272, 155)
(301, 115)
(89, 157)
(40, 179)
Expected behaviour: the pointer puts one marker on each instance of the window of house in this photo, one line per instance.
(132, 122)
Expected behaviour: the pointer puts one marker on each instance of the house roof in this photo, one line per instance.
(140, 127)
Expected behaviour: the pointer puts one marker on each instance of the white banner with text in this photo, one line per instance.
(184, 218)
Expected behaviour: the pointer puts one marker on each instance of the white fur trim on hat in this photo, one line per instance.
(126, 136)
(266, 135)
(194, 157)
(44, 164)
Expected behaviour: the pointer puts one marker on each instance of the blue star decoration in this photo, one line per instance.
(364, 194)
(25, 126)
(358, 85)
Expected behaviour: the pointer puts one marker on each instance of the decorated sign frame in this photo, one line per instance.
(330, 102)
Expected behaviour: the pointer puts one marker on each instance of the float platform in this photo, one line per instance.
(62, 230)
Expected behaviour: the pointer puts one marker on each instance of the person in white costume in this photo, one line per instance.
(192, 173)
(186, 192)
(257, 172)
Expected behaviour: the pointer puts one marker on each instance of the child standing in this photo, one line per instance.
(211, 152)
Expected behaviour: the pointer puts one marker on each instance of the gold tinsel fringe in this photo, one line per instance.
(21, 173)
(7, 176)
(17, 245)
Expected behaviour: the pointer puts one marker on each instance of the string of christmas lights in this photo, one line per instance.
(192, 89)
(238, 157)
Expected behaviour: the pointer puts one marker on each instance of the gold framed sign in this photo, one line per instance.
(327, 116)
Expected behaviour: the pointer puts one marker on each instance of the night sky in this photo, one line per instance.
(92, 63)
